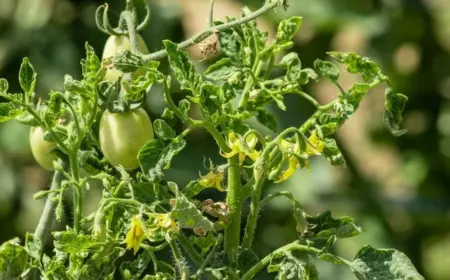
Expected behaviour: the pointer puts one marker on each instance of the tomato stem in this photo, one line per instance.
(128, 16)
(199, 37)
(77, 192)
(294, 246)
(45, 221)
(234, 202)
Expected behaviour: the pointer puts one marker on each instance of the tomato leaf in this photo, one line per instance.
(204, 243)
(27, 77)
(188, 215)
(33, 246)
(221, 70)
(136, 89)
(136, 267)
(73, 243)
(287, 29)
(294, 66)
(3, 86)
(394, 107)
(184, 70)
(8, 111)
(326, 69)
(13, 259)
(155, 156)
(90, 66)
(101, 264)
(370, 263)
(332, 153)
(323, 226)
(369, 70)
(290, 267)
(184, 106)
(163, 130)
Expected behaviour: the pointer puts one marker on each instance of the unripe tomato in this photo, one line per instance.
(122, 135)
(40, 148)
(116, 44)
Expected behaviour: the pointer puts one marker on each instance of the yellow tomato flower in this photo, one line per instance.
(213, 179)
(135, 235)
(163, 221)
(314, 147)
(242, 148)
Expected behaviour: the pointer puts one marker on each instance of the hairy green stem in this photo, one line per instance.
(199, 37)
(295, 246)
(127, 15)
(217, 136)
(252, 218)
(251, 83)
(45, 221)
(307, 97)
(234, 202)
(269, 67)
(189, 249)
(268, 198)
(210, 256)
(180, 261)
(77, 192)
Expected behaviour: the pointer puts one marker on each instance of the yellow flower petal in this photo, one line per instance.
(293, 165)
(212, 180)
(317, 145)
(254, 155)
(135, 235)
(232, 139)
(229, 154)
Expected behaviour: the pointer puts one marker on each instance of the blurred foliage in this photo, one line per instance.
(397, 188)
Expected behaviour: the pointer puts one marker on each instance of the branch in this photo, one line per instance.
(45, 222)
(295, 246)
(199, 37)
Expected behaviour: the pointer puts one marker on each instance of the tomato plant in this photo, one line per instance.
(98, 127)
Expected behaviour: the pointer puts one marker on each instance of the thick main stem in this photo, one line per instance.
(234, 202)
(46, 220)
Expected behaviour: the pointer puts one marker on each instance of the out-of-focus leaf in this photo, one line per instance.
(383, 264)
(13, 259)
(394, 106)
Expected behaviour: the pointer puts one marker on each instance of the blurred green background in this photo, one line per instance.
(398, 189)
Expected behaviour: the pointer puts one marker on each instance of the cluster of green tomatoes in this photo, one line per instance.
(119, 148)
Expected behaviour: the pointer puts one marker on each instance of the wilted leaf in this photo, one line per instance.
(394, 106)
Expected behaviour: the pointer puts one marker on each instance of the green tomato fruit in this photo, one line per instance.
(122, 135)
(116, 44)
(40, 148)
